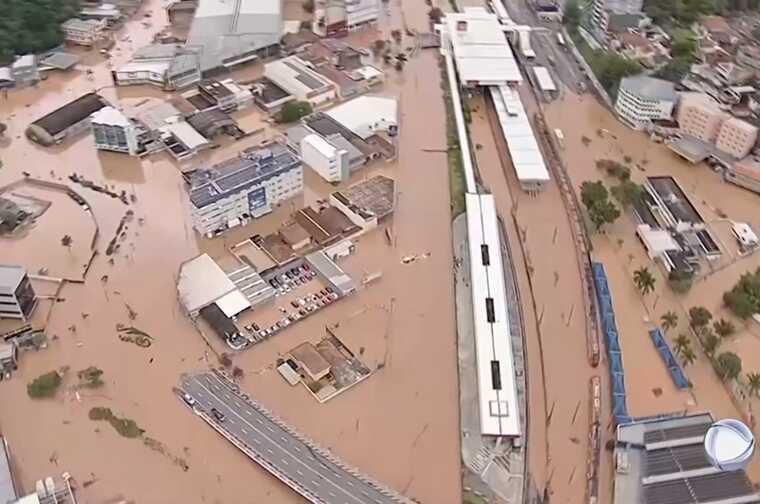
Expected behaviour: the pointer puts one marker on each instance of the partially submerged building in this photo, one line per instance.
(17, 297)
(368, 202)
(338, 17)
(168, 66)
(299, 79)
(242, 188)
(72, 118)
(227, 33)
(642, 99)
(83, 32)
(114, 131)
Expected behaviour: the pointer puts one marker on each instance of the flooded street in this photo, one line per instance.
(649, 387)
(400, 426)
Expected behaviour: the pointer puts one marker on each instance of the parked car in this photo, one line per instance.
(334, 296)
(329, 289)
(188, 399)
(294, 303)
(255, 326)
(302, 312)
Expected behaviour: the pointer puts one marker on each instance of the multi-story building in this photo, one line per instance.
(736, 137)
(25, 71)
(642, 99)
(700, 116)
(337, 17)
(115, 132)
(168, 66)
(328, 161)
(296, 76)
(604, 9)
(83, 32)
(245, 187)
(17, 297)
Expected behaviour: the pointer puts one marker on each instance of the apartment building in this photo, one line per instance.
(700, 116)
(242, 188)
(337, 17)
(604, 10)
(736, 137)
(644, 99)
(17, 297)
(83, 32)
(115, 132)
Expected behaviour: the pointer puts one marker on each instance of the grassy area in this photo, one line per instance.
(457, 184)
(124, 426)
(469, 498)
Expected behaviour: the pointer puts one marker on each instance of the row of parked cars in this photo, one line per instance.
(302, 307)
(292, 278)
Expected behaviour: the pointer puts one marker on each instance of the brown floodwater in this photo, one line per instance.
(649, 387)
(400, 426)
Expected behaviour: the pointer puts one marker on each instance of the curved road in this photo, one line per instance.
(309, 470)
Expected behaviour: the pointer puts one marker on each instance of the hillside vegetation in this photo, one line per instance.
(32, 25)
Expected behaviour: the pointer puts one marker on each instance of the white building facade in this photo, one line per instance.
(643, 99)
(328, 161)
(114, 131)
(83, 32)
(243, 188)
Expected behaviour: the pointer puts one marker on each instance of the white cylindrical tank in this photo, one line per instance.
(729, 445)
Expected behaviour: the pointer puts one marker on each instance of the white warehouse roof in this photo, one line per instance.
(367, 114)
(201, 282)
(480, 48)
(324, 147)
(521, 141)
(110, 116)
(497, 390)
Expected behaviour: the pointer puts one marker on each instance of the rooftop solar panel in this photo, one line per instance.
(682, 432)
(673, 460)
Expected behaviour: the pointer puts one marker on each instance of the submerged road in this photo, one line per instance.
(311, 471)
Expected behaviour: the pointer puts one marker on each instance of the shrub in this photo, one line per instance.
(724, 328)
(680, 281)
(293, 111)
(90, 377)
(45, 385)
(744, 298)
(124, 426)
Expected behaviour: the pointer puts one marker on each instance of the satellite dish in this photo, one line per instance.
(729, 445)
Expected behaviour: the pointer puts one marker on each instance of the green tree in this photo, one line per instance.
(675, 70)
(600, 209)
(669, 320)
(728, 365)
(683, 47)
(724, 328)
(32, 26)
(45, 385)
(710, 342)
(644, 280)
(90, 377)
(681, 342)
(308, 6)
(627, 193)
(610, 67)
(572, 16)
(688, 356)
(699, 316)
(753, 383)
(680, 281)
(293, 111)
(744, 298)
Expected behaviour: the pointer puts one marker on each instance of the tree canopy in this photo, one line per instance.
(675, 70)
(678, 12)
(610, 67)
(44, 385)
(596, 199)
(729, 365)
(293, 111)
(32, 26)
(744, 298)
(699, 316)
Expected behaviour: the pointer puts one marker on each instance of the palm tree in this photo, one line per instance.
(644, 280)
(687, 356)
(753, 383)
(669, 320)
(710, 342)
(681, 343)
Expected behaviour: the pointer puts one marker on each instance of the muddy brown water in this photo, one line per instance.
(400, 426)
